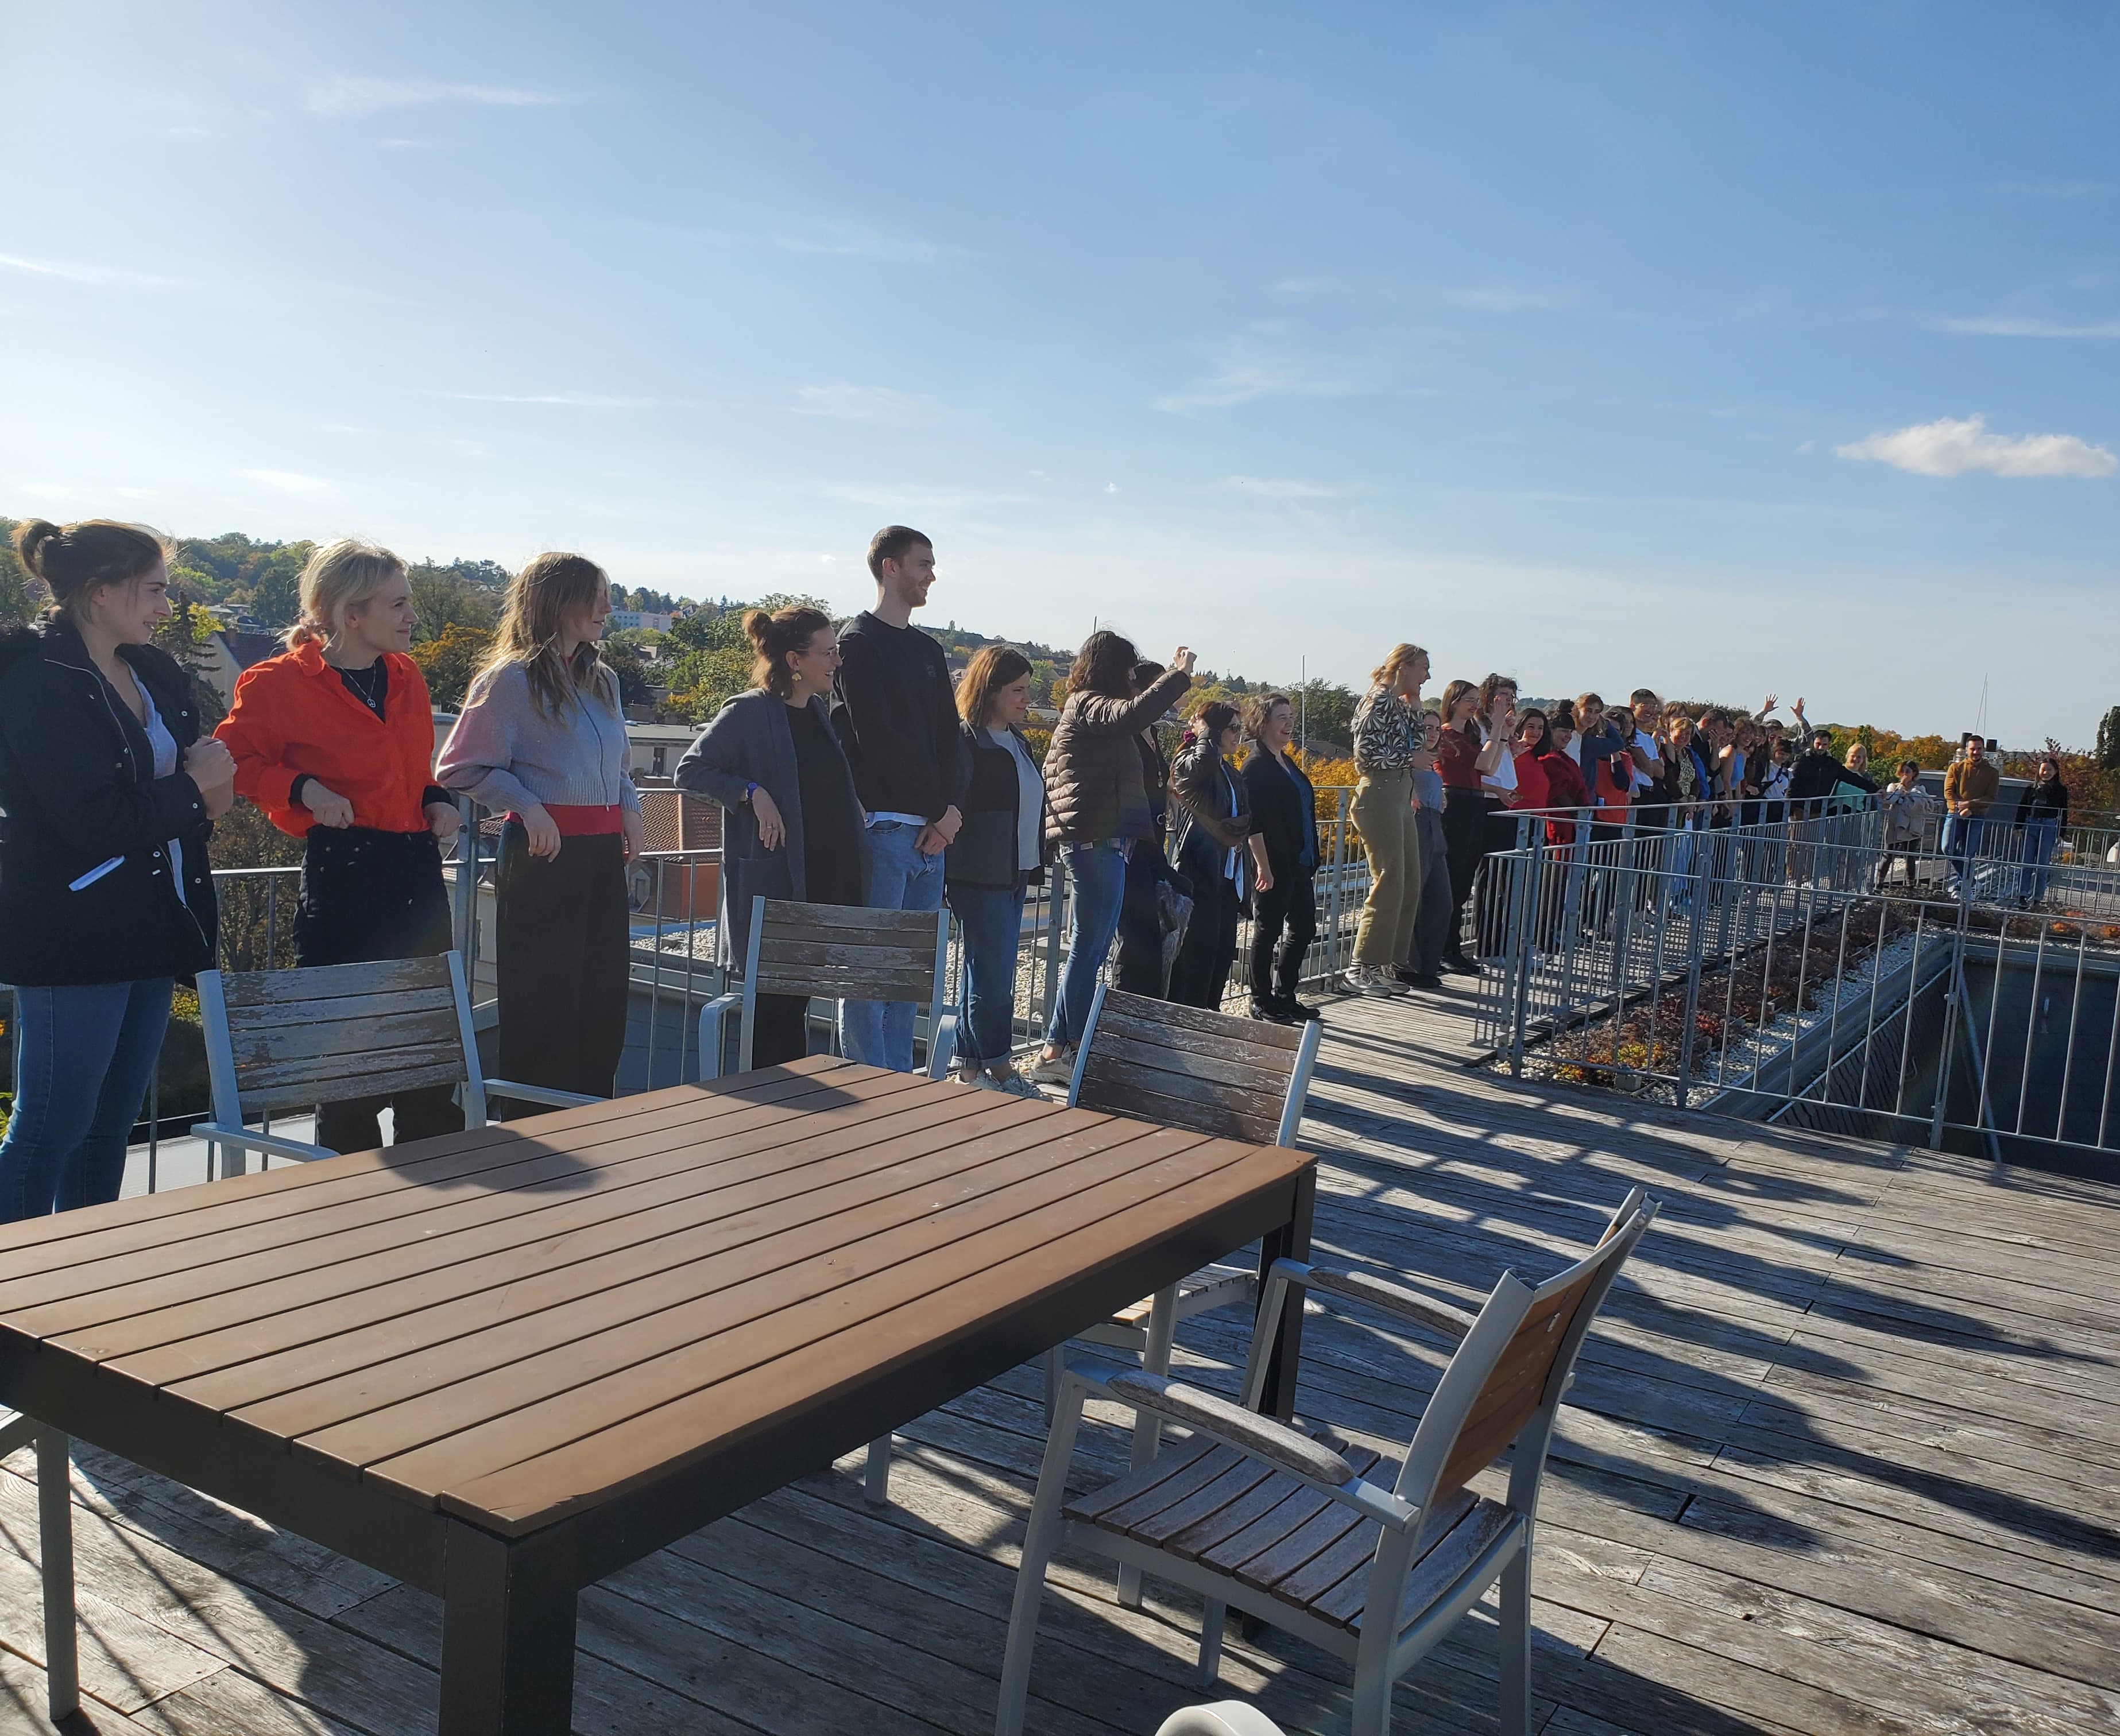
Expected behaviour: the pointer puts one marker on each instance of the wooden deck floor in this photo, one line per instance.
(1844, 1460)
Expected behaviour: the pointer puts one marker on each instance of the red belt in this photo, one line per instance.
(582, 821)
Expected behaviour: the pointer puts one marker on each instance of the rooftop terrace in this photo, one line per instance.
(1843, 1457)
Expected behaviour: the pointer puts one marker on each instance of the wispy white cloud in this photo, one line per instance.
(1501, 300)
(1279, 488)
(71, 271)
(289, 482)
(1951, 448)
(2001, 325)
(347, 96)
(1263, 361)
(566, 400)
(846, 403)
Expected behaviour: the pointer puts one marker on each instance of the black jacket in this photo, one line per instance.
(896, 714)
(78, 789)
(1817, 775)
(1202, 833)
(984, 853)
(1282, 800)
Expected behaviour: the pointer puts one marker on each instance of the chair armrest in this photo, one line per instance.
(711, 1017)
(1392, 1298)
(539, 1094)
(1270, 1439)
(249, 1139)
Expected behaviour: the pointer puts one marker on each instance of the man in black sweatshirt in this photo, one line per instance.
(897, 718)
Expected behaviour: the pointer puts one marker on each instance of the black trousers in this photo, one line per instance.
(367, 896)
(1490, 892)
(1140, 933)
(562, 966)
(1210, 947)
(780, 1029)
(1464, 843)
(1284, 923)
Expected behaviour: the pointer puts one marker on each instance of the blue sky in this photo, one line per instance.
(1724, 348)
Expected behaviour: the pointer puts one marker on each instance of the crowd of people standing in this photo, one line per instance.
(854, 773)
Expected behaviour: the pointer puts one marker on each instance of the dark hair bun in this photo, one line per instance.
(30, 537)
(757, 624)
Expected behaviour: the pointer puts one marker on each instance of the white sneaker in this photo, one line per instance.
(1366, 979)
(1053, 1070)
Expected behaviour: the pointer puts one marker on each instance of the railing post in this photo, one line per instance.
(1524, 944)
(1694, 937)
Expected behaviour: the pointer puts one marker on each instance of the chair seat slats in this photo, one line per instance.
(1444, 1555)
(1157, 1516)
(1187, 1459)
(1267, 1513)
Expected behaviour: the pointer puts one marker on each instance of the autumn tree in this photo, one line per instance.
(450, 661)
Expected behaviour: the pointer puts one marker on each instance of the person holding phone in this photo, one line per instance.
(109, 789)
(1217, 850)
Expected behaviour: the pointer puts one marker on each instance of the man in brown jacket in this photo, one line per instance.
(1969, 786)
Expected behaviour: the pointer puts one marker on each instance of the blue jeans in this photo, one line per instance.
(1099, 874)
(993, 923)
(87, 1052)
(2039, 837)
(879, 1032)
(1962, 835)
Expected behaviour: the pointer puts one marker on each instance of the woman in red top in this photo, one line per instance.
(1531, 781)
(334, 738)
(1565, 793)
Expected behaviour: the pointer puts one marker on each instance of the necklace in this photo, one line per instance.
(367, 684)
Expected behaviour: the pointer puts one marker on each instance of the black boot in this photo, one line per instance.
(1294, 1011)
(1269, 1011)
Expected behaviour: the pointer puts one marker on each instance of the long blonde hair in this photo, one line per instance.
(1387, 676)
(339, 575)
(540, 598)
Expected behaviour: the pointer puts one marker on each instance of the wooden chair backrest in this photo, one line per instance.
(845, 952)
(295, 1038)
(1180, 1066)
(1497, 1392)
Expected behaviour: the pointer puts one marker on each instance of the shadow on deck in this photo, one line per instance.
(1844, 1457)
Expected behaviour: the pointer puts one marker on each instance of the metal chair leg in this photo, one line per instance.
(1515, 1628)
(1147, 1427)
(1040, 1538)
(1212, 1621)
(55, 1525)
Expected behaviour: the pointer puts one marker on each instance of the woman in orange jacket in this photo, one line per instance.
(334, 738)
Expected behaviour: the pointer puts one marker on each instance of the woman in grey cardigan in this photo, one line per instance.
(794, 827)
(542, 740)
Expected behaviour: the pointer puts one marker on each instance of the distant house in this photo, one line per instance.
(641, 619)
(230, 651)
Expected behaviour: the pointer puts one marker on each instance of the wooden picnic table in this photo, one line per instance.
(501, 1364)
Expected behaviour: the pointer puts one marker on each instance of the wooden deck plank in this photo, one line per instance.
(1842, 1460)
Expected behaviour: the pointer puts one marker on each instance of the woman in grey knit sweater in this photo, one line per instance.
(543, 738)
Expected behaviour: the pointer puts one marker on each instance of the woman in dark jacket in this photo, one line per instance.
(109, 793)
(2042, 815)
(1215, 850)
(1284, 808)
(794, 825)
(1095, 808)
(999, 851)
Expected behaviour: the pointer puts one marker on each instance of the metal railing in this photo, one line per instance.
(1821, 972)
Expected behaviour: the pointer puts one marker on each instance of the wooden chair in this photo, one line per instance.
(281, 1041)
(1310, 1534)
(1178, 1066)
(840, 952)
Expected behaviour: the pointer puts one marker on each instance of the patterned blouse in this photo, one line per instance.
(1386, 739)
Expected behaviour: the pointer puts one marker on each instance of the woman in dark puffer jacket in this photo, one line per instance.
(1095, 808)
(109, 794)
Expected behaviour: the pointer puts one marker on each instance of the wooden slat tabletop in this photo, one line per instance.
(514, 1324)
